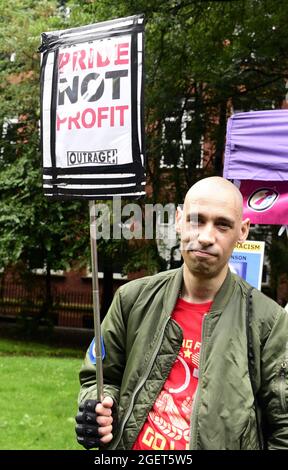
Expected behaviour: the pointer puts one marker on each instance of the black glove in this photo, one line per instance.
(87, 427)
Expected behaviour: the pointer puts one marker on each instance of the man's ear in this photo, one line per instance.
(178, 220)
(244, 231)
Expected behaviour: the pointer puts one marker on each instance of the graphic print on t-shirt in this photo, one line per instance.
(168, 424)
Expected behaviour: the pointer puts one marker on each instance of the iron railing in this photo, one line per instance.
(68, 309)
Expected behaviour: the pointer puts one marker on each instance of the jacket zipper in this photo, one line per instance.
(283, 371)
(140, 385)
(282, 382)
(195, 406)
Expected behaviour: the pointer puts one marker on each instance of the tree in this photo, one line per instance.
(33, 231)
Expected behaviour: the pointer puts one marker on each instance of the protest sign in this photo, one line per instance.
(92, 128)
(247, 261)
(92, 110)
(265, 202)
(256, 159)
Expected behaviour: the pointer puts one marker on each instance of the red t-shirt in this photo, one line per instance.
(168, 424)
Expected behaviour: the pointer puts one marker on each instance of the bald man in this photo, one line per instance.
(195, 357)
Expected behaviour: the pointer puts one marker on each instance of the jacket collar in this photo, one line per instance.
(224, 293)
(174, 286)
(172, 290)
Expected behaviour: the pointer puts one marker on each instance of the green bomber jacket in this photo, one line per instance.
(142, 342)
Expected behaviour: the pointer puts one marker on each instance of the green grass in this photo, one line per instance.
(32, 348)
(38, 396)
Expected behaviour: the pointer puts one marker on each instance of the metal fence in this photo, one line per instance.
(69, 309)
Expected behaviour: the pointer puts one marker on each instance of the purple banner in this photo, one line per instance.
(265, 202)
(257, 146)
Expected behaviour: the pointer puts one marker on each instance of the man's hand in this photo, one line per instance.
(94, 423)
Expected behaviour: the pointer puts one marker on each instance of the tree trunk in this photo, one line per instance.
(107, 292)
(220, 142)
(48, 291)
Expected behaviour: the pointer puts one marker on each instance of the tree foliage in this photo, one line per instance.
(33, 229)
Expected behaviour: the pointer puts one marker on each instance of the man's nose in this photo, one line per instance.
(206, 235)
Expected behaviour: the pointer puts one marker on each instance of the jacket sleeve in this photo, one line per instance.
(274, 383)
(114, 337)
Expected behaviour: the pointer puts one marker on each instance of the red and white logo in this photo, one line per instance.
(262, 199)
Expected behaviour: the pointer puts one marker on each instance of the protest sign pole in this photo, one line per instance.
(96, 303)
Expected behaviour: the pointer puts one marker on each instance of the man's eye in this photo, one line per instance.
(195, 224)
(223, 226)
